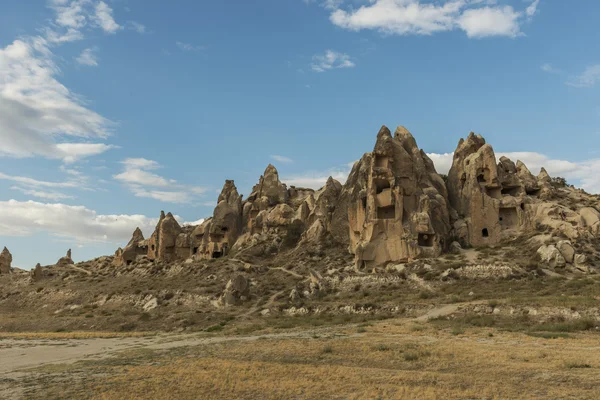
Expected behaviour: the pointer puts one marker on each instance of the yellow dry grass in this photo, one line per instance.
(386, 361)
(72, 335)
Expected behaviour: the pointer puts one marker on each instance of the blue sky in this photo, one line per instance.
(111, 111)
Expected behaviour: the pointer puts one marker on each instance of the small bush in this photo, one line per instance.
(576, 364)
(214, 328)
(457, 331)
(327, 350)
(411, 356)
(426, 294)
(381, 347)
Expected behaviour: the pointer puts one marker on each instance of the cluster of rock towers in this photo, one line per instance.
(394, 207)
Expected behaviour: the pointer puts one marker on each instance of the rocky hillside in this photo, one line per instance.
(394, 225)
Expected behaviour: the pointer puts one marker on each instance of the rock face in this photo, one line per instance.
(394, 207)
(268, 193)
(66, 260)
(5, 261)
(136, 247)
(397, 203)
(215, 237)
(489, 199)
(165, 244)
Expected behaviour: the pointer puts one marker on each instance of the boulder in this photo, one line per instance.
(550, 255)
(580, 262)
(566, 250)
(236, 291)
(455, 248)
(5, 262)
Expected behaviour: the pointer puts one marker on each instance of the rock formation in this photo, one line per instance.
(394, 207)
(66, 260)
(37, 273)
(215, 237)
(490, 199)
(396, 202)
(236, 291)
(137, 247)
(165, 244)
(5, 261)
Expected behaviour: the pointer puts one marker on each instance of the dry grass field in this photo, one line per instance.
(391, 359)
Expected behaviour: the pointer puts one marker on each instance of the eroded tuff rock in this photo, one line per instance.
(490, 200)
(66, 260)
(37, 273)
(236, 292)
(215, 237)
(394, 207)
(137, 247)
(397, 203)
(165, 244)
(5, 261)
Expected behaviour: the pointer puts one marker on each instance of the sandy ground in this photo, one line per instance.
(17, 356)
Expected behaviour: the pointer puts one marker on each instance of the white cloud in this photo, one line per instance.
(532, 9)
(88, 57)
(23, 180)
(193, 223)
(442, 162)
(327, 4)
(142, 183)
(72, 152)
(583, 173)
(136, 26)
(331, 60)
(317, 179)
(550, 69)
(54, 196)
(36, 111)
(24, 218)
(104, 18)
(142, 163)
(282, 159)
(75, 15)
(589, 78)
(413, 17)
(188, 47)
(490, 21)
(70, 14)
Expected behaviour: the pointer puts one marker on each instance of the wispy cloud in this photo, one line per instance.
(88, 57)
(136, 26)
(35, 108)
(188, 47)
(137, 177)
(282, 159)
(550, 69)
(588, 78)
(104, 18)
(54, 196)
(331, 60)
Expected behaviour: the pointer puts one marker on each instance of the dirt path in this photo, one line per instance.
(18, 354)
